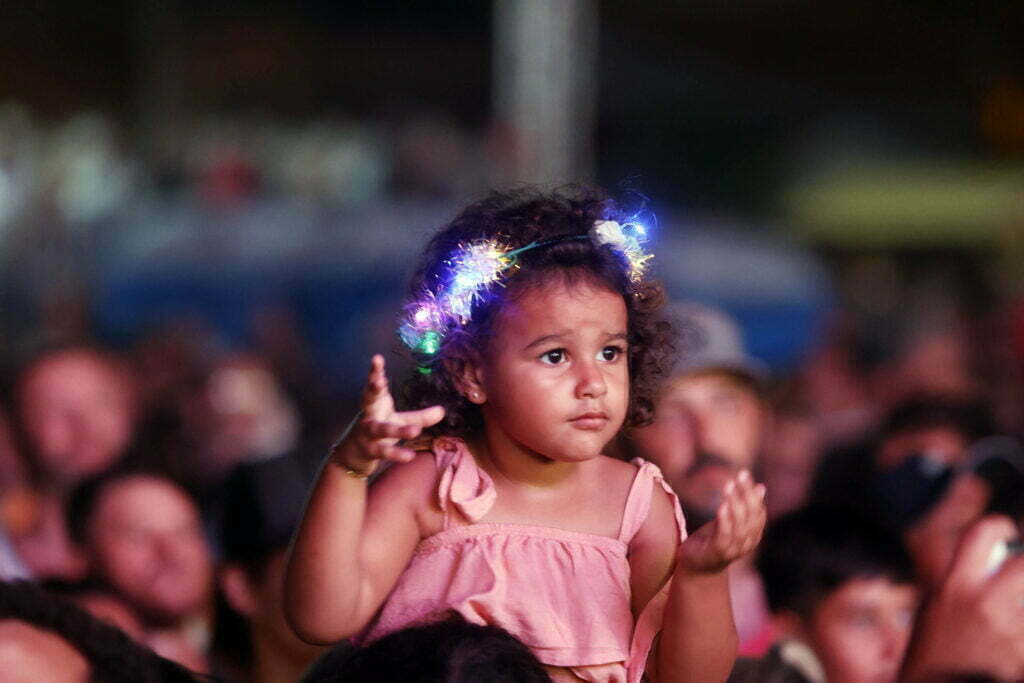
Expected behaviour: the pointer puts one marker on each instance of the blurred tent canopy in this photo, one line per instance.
(909, 204)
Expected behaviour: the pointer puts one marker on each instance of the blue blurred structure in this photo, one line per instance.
(777, 290)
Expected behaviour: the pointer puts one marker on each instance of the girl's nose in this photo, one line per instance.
(590, 383)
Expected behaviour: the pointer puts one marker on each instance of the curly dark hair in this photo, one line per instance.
(518, 218)
(451, 650)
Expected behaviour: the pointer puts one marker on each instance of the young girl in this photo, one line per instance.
(533, 326)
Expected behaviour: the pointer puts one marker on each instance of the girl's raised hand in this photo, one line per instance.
(378, 433)
(735, 531)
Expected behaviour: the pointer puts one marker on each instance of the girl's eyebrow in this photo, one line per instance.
(543, 340)
(617, 336)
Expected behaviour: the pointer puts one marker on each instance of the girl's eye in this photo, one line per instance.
(610, 353)
(553, 357)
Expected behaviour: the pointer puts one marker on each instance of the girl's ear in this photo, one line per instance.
(468, 377)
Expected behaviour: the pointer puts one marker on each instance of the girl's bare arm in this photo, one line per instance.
(698, 639)
(354, 540)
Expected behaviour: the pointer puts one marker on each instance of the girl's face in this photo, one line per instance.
(554, 380)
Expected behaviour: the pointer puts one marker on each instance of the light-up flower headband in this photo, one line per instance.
(473, 268)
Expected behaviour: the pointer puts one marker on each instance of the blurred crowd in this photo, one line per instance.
(157, 488)
(88, 170)
(148, 493)
(876, 468)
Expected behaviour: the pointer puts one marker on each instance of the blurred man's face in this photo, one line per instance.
(860, 631)
(147, 541)
(29, 654)
(729, 416)
(76, 411)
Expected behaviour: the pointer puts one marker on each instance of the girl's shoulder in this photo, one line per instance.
(616, 466)
(614, 477)
(412, 484)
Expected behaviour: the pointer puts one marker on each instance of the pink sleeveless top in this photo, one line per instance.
(565, 594)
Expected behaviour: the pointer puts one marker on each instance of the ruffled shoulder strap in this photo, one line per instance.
(462, 483)
(638, 502)
(638, 505)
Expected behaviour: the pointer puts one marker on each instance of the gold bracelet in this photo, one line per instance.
(356, 474)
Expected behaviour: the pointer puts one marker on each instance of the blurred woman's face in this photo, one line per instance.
(76, 411)
(146, 539)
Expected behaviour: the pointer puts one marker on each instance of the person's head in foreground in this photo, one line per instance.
(448, 651)
(841, 585)
(44, 637)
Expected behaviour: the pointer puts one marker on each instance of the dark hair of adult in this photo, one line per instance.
(448, 651)
(83, 499)
(809, 553)
(517, 219)
(971, 419)
(111, 654)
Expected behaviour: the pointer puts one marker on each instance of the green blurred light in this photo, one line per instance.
(430, 343)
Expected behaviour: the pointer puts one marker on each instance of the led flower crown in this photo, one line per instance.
(472, 270)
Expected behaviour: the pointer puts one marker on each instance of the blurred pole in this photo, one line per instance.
(159, 59)
(545, 89)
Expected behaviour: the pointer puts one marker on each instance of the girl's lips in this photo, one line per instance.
(590, 421)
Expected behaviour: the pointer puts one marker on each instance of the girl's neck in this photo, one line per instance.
(512, 462)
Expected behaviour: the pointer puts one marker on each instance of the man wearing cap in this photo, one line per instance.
(711, 411)
(711, 421)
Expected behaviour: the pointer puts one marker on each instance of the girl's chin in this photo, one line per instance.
(573, 456)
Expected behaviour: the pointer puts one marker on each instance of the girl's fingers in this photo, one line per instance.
(758, 519)
(377, 429)
(376, 400)
(739, 502)
(756, 516)
(405, 426)
(742, 516)
(377, 381)
(396, 453)
(425, 417)
(724, 519)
